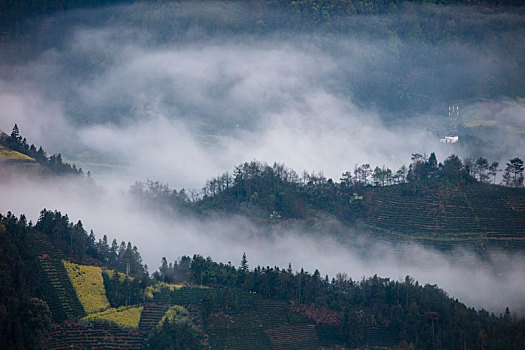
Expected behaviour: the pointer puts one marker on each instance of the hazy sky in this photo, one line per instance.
(146, 91)
(140, 95)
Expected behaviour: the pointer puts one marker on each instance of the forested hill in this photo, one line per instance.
(318, 11)
(34, 290)
(25, 159)
(453, 201)
(428, 58)
(53, 297)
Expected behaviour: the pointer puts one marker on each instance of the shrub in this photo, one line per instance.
(175, 314)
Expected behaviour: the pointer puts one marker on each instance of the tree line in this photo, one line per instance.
(421, 315)
(73, 240)
(54, 162)
(317, 11)
(277, 192)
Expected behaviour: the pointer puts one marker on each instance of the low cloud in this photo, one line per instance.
(109, 209)
(181, 103)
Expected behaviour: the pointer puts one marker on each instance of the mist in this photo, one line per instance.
(159, 85)
(111, 211)
(182, 93)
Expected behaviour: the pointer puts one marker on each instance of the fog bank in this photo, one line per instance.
(110, 210)
(180, 93)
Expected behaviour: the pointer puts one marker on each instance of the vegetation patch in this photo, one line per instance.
(175, 314)
(126, 317)
(159, 287)
(477, 123)
(89, 286)
(117, 275)
(6, 153)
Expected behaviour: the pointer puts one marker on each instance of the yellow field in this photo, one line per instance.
(89, 286)
(6, 153)
(126, 317)
(175, 314)
(173, 286)
(156, 288)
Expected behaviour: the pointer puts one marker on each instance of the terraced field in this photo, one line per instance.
(54, 281)
(125, 317)
(261, 324)
(59, 293)
(329, 335)
(150, 317)
(40, 245)
(292, 337)
(15, 164)
(379, 336)
(79, 335)
(478, 213)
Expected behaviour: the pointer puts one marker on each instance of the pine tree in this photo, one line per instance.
(15, 137)
(513, 175)
(493, 170)
(244, 264)
(163, 269)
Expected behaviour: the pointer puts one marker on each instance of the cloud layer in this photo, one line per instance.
(478, 283)
(181, 93)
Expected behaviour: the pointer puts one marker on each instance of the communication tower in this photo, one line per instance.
(453, 116)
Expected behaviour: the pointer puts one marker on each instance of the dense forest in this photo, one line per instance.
(423, 316)
(23, 316)
(321, 12)
(24, 313)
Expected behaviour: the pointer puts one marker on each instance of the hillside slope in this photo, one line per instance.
(13, 163)
(473, 213)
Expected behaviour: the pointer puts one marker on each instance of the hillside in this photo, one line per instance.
(13, 162)
(443, 205)
(20, 158)
(477, 214)
(218, 306)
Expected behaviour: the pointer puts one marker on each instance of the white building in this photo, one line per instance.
(450, 139)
